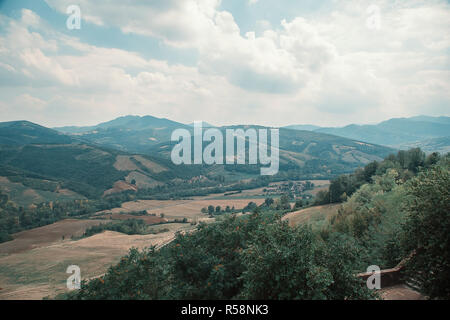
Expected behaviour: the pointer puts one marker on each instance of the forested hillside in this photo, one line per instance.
(21, 133)
(304, 151)
(34, 159)
(392, 210)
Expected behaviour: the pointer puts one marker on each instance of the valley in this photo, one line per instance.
(33, 264)
(56, 188)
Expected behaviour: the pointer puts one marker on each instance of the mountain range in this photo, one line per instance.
(133, 153)
(399, 133)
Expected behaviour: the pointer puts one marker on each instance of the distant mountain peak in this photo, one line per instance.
(128, 122)
(306, 127)
(24, 132)
(204, 124)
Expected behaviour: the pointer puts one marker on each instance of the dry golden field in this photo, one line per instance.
(305, 215)
(42, 236)
(39, 270)
(33, 265)
(176, 209)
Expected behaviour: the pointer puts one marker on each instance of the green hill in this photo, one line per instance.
(441, 145)
(25, 132)
(129, 133)
(393, 132)
(36, 163)
(105, 160)
(308, 152)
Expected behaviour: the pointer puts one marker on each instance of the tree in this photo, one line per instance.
(250, 207)
(298, 203)
(218, 209)
(427, 230)
(322, 197)
(284, 202)
(210, 209)
(370, 170)
(4, 236)
(432, 159)
(416, 159)
(343, 184)
(254, 256)
(268, 201)
(139, 275)
(293, 263)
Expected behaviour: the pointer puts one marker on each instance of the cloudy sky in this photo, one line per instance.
(324, 62)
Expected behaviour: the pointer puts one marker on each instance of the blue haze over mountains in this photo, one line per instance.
(429, 133)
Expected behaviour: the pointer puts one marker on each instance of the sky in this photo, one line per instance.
(266, 62)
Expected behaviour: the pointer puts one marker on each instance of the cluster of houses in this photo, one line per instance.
(294, 188)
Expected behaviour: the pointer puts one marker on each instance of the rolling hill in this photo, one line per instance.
(305, 153)
(128, 133)
(38, 164)
(395, 132)
(132, 153)
(392, 132)
(441, 145)
(21, 133)
(150, 135)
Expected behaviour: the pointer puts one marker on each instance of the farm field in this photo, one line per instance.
(42, 236)
(176, 209)
(310, 214)
(38, 271)
(26, 196)
(33, 265)
(191, 208)
(319, 185)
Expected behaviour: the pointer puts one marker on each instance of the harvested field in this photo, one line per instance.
(308, 214)
(175, 209)
(42, 236)
(41, 272)
(152, 166)
(124, 163)
(120, 186)
(26, 196)
(142, 180)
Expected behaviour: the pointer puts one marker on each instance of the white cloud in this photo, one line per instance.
(276, 62)
(327, 69)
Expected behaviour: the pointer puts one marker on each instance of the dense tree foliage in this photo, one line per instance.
(403, 214)
(399, 210)
(293, 263)
(252, 256)
(426, 231)
(407, 164)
